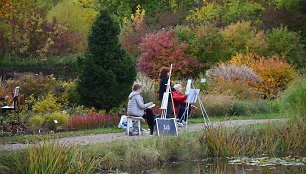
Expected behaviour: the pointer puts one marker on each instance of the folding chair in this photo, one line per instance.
(15, 101)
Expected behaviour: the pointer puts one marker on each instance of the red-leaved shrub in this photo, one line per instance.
(92, 121)
(162, 49)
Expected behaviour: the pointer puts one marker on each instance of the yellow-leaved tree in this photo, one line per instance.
(77, 16)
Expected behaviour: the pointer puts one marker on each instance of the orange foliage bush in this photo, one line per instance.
(35, 84)
(275, 73)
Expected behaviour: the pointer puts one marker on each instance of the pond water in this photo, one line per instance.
(232, 166)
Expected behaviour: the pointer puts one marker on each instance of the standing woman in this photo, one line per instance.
(164, 76)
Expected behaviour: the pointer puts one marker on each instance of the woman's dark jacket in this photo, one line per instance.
(162, 87)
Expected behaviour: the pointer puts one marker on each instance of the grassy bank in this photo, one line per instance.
(37, 137)
(213, 142)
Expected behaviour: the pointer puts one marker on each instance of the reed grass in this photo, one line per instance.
(52, 157)
(212, 142)
(272, 139)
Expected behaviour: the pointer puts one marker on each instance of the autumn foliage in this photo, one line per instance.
(275, 73)
(162, 49)
(131, 35)
(25, 31)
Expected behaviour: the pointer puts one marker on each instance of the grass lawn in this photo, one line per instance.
(250, 117)
(37, 137)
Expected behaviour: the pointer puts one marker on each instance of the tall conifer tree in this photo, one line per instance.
(106, 73)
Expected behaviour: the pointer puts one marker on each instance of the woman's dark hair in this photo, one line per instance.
(136, 86)
(164, 71)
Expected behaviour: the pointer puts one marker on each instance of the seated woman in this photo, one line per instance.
(137, 108)
(179, 100)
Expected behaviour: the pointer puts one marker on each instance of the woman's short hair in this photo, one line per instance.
(136, 86)
(176, 86)
(164, 71)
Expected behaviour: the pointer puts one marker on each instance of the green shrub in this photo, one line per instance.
(275, 105)
(224, 105)
(242, 37)
(47, 104)
(80, 110)
(226, 12)
(293, 100)
(288, 44)
(240, 108)
(215, 105)
(209, 45)
(248, 107)
(36, 121)
(261, 106)
(32, 64)
(61, 118)
(185, 33)
(70, 96)
(205, 43)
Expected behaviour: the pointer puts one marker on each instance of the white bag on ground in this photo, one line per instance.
(123, 122)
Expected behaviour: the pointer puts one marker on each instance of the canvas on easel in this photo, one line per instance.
(192, 96)
(164, 103)
(188, 86)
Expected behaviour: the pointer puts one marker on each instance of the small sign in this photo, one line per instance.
(55, 121)
(203, 80)
(166, 126)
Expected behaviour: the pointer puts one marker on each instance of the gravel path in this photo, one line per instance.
(103, 138)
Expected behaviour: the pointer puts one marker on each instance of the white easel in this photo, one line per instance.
(193, 95)
(164, 104)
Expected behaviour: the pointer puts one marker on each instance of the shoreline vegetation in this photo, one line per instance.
(221, 142)
(31, 138)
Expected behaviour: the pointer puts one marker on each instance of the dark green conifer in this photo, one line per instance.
(106, 72)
